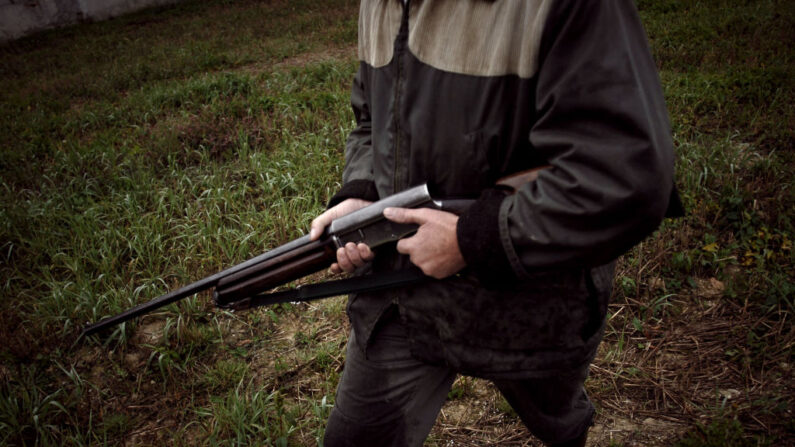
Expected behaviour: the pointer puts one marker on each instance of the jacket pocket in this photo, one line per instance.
(486, 146)
(551, 311)
(547, 313)
(599, 281)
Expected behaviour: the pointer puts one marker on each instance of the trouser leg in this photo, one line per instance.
(555, 409)
(388, 398)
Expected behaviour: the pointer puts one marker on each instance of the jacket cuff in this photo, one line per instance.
(479, 240)
(355, 189)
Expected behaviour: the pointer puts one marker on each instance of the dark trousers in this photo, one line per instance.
(391, 399)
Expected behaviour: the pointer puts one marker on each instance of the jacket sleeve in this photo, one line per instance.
(357, 176)
(603, 127)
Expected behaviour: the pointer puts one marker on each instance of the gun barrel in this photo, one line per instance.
(196, 287)
(149, 306)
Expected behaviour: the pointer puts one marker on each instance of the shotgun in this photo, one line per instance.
(240, 287)
(237, 287)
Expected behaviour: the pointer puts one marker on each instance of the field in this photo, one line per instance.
(148, 151)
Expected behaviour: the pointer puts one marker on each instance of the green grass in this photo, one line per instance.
(727, 75)
(147, 151)
(139, 154)
(721, 433)
(728, 80)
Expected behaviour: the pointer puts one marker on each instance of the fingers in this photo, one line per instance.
(323, 220)
(351, 256)
(365, 252)
(405, 246)
(434, 247)
(408, 215)
(318, 224)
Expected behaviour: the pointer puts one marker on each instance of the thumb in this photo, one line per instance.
(404, 215)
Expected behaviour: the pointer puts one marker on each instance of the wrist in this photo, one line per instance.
(480, 242)
(355, 189)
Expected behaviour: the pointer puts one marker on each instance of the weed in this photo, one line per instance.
(224, 374)
(321, 411)
(28, 413)
(505, 408)
(246, 414)
(721, 433)
(463, 386)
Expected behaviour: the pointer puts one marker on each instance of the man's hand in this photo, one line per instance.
(351, 256)
(434, 248)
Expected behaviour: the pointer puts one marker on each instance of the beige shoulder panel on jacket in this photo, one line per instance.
(474, 37)
(379, 23)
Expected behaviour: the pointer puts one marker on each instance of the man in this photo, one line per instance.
(457, 94)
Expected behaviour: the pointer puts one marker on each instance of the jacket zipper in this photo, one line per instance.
(402, 41)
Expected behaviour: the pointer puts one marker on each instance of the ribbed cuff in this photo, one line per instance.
(355, 189)
(479, 240)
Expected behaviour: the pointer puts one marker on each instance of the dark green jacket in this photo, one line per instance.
(458, 93)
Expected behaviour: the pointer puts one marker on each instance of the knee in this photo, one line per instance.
(342, 431)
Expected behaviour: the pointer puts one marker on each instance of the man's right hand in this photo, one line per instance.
(351, 256)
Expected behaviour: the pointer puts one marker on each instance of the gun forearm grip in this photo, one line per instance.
(311, 258)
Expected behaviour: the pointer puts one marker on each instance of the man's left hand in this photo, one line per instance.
(434, 247)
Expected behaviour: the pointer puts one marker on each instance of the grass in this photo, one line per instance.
(147, 151)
